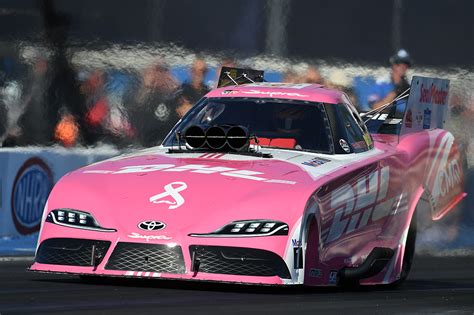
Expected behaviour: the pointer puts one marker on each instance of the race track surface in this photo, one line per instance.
(436, 285)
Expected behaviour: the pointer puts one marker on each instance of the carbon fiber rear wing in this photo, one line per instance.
(236, 76)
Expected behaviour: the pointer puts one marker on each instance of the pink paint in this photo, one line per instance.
(339, 209)
(308, 92)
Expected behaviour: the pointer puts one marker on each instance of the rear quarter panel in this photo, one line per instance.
(371, 204)
(365, 206)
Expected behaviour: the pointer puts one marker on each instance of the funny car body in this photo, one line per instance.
(261, 183)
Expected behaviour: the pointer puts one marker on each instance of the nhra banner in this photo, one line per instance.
(427, 105)
(27, 176)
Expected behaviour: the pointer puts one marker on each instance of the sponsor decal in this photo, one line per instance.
(359, 144)
(380, 117)
(162, 112)
(296, 243)
(315, 162)
(145, 274)
(273, 93)
(409, 119)
(31, 189)
(332, 277)
(348, 261)
(445, 175)
(194, 168)
(393, 121)
(419, 118)
(344, 145)
(280, 85)
(280, 181)
(171, 190)
(151, 225)
(148, 237)
(448, 178)
(427, 118)
(428, 96)
(227, 92)
(212, 155)
(433, 95)
(355, 205)
(315, 273)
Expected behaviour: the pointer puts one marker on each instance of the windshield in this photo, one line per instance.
(276, 123)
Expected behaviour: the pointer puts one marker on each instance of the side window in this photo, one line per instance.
(355, 134)
(360, 122)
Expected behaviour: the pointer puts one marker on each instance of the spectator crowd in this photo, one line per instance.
(50, 102)
(47, 104)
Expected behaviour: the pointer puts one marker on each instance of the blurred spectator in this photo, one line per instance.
(312, 75)
(338, 80)
(152, 109)
(52, 99)
(62, 97)
(290, 77)
(97, 107)
(117, 125)
(229, 62)
(66, 131)
(26, 125)
(192, 91)
(11, 102)
(400, 63)
(9, 92)
(3, 119)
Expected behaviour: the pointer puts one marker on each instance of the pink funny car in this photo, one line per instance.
(263, 183)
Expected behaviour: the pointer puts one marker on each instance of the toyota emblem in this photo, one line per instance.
(151, 225)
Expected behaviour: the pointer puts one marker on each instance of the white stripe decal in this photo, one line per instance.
(444, 150)
(444, 140)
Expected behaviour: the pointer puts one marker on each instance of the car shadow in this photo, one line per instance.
(189, 285)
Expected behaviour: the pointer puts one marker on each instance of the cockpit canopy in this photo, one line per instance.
(283, 123)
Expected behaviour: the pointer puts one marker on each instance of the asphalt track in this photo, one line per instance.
(436, 285)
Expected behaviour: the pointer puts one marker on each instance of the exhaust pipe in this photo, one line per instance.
(232, 138)
(238, 138)
(216, 138)
(373, 264)
(195, 137)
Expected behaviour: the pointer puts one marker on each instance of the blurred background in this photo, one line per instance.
(119, 74)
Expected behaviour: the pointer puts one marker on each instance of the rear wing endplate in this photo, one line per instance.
(427, 105)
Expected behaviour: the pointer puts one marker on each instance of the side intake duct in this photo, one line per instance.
(219, 138)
